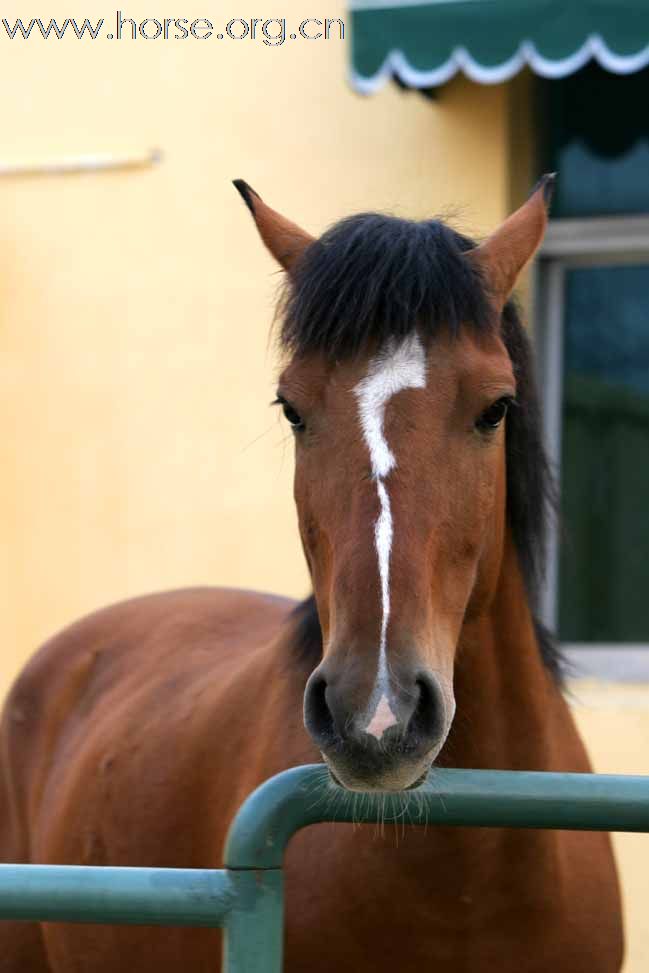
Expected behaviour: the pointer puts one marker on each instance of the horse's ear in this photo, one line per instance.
(504, 254)
(286, 241)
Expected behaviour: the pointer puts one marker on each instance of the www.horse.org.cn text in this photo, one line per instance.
(271, 31)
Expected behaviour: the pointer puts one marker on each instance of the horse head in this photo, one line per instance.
(397, 384)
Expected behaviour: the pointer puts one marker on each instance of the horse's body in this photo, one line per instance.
(133, 737)
(124, 746)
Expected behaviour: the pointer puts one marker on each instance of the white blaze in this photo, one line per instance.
(395, 367)
(382, 719)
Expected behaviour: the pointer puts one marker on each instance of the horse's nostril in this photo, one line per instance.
(317, 715)
(427, 720)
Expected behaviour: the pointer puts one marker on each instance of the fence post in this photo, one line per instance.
(253, 936)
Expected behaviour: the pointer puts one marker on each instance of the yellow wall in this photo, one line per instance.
(136, 446)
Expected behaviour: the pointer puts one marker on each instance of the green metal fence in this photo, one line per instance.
(246, 897)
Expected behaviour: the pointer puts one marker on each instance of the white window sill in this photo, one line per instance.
(624, 662)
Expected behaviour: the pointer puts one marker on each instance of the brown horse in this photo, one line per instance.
(421, 489)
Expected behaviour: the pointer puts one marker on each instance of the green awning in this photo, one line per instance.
(423, 43)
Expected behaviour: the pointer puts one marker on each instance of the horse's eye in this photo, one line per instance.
(494, 415)
(293, 417)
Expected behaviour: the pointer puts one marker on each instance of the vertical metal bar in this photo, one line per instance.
(253, 937)
(549, 335)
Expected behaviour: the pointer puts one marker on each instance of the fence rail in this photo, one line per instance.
(246, 897)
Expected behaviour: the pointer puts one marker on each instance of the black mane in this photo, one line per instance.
(373, 277)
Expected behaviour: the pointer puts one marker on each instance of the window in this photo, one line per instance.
(592, 330)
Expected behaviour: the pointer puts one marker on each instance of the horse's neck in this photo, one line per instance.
(509, 709)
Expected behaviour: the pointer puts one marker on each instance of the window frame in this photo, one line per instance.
(569, 243)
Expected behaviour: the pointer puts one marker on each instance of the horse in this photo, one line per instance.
(422, 493)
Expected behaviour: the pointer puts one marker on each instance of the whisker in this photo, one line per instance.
(256, 439)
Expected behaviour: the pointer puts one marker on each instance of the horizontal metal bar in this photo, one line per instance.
(81, 163)
(145, 896)
(481, 798)
(600, 237)
(304, 796)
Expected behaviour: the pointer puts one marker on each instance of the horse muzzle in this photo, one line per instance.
(388, 744)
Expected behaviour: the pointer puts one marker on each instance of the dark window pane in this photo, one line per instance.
(604, 570)
(591, 185)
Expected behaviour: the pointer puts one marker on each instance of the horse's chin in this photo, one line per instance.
(393, 780)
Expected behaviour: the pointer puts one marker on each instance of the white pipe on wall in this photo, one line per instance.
(81, 163)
